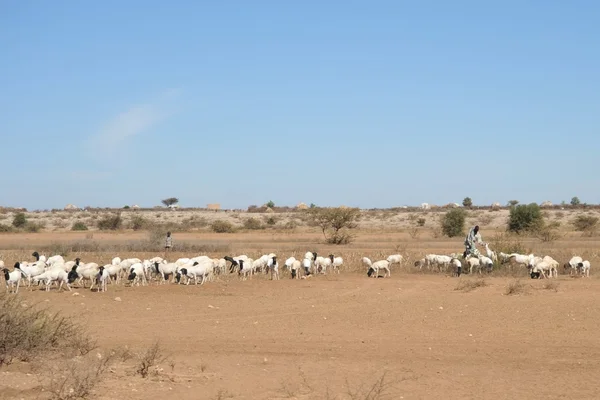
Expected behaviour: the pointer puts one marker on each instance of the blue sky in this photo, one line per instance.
(361, 103)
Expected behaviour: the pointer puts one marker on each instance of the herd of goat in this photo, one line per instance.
(55, 270)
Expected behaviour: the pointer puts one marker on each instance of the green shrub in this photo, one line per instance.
(79, 226)
(525, 218)
(222, 227)
(271, 221)
(467, 202)
(421, 222)
(20, 220)
(110, 222)
(453, 223)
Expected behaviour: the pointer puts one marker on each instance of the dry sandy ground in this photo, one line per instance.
(335, 336)
(303, 339)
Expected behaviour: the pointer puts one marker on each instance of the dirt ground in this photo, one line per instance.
(337, 336)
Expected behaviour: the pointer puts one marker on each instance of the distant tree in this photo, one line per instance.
(513, 203)
(467, 202)
(453, 223)
(170, 201)
(270, 204)
(313, 205)
(19, 221)
(126, 207)
(335, 223)
(575, 201)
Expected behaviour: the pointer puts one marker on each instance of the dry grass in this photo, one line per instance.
(516, 287)
(550, 285)
(469, 285)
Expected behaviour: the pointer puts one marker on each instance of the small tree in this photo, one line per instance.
(335, 223)
(270, 204)
(513, 203)
(20, 220)
(575, 201)
(467, 202)
(170, 201)
(313, 205)
(586, 224)
(525, 218)
(453, 223)
(221, 226)
(79, 226)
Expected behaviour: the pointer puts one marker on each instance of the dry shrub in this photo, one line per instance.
(75, 379)
(253, 224)
(79, 226)
(508, 243)
(221, 226)
(27, 332)
(378, 390)
(110, 222)
(468, 285)
(550, 285)
(149, 358)
(515, 288)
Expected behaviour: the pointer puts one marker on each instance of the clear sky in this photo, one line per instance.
(360, 103)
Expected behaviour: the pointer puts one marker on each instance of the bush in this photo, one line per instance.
(525, 218)
(421, 222)
(138, 223)
(5, 228)
(467, 202)
(575, 201)
(271, 221)
(586, 223)
(222, 227)
(110, 222)
(19, 221)
(34, 226)
(253, 223)
(27, 332)
(453, 223)
(79, 226)
(270, 204)
(548, 232)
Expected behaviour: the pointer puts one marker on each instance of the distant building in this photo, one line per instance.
(546, 204)
(71, 207)
(425, 206)
(301, 206)
(214, 206)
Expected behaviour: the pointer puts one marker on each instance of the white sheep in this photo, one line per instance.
(102, 279)
(395, 259)
(520, 259)
(456, 265)
(306, 264)
(382, 264)
(168, 269)
(573, 264)
(197, 270)
(553, 265)
(321, 264)
(136, 273)
(53, 275)
(12, 279)
(246, 269)
(273, 267)
(336, 263)
(31, 270)
(503, 257)
(585, 268)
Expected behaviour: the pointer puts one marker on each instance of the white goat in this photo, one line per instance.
(395, 259)
(382, 264)
(336, 263)
(585, 268)
(490, 253)
(53, 275)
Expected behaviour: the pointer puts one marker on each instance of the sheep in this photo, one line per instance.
(113, 272)
(136, 273)
(84, 272)
(306, 264)
(273, 267)
(395, 259)
(102, 278)
(473, 262)
(197, 269)
(573, 264)
(366, 261)
(37, 257)
(294, 269)
(30, 271)
(456, 266)
(321, 264)
(382, 264)
(54, 275)
(442, 262)
(233, 262)
(491, 254)
(246, 269)
(54, 260)
(553, 265)
(519, 259)
(220, 265)
(12, 278)
(336, 262)
(503, 257)
(167, 269)
(541, 268)
(486, 262)
(116, 261)
(585, 268)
